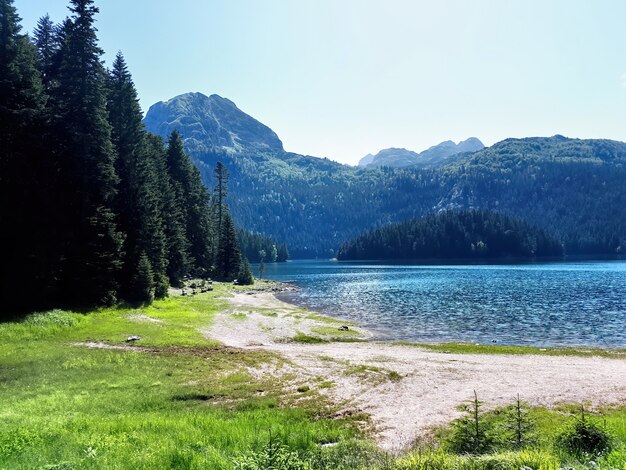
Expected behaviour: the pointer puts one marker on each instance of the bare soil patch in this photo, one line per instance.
(406, 390)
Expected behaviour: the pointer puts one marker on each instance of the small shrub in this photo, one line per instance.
(584, 437)
(245, 277)
(519, 429)
(470, 433)
(351, 454)
(273, 456)
(394, 376)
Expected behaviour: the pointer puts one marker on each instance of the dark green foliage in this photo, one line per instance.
(470, 434)
(138, 201)
(24, 170)
(228, 253)
(195, 198)
(141, 285)
(262, 256)
(453, 235)
(571, 188)
(98, 208)
(228, 257)
(173, 213)
(585, 436)
(245, 277)
(252, 243)
(282, 253)
(89, 238)
(48, 41)
(220, 192)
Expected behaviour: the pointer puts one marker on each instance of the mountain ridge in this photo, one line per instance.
(436, 156)
(218, 124)
(572, 188)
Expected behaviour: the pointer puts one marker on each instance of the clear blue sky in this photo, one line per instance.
(343, 78)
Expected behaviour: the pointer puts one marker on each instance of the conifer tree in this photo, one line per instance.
(99, 207)
(228, 253)
(198, 228)
(46, 39)
(23, 170)
(519, 426)
(245, 278)
(90, 239)
(219, 193)
(172, 209)
(137, 201)
(141, 283)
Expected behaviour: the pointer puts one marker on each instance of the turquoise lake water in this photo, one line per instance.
(539, 304)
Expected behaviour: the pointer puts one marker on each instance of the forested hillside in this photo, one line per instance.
(256, 246)
(470, 234)
(572, 188)
(94, 208)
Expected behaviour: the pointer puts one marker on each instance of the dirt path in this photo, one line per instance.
(407, 390)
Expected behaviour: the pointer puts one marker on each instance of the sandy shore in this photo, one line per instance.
(406, 390)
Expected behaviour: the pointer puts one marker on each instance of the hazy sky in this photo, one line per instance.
(343, 78)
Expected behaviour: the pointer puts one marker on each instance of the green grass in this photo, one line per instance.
(472, 348)
(325, 319)
(334, 331)
(177, 400)
(549, 423)
(308, 339)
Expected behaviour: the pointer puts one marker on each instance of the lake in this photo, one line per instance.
(535, 304)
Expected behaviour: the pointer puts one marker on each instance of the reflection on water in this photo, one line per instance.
(551, 304)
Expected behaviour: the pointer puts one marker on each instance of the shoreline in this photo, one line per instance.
(407, 389)
(287, 291)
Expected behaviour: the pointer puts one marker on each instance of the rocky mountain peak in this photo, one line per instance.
(435, 156)
(211, 123)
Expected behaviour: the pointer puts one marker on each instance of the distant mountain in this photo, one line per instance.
(571, 188)
(511, 153)
(434, 157)
(472, 144)
(394, 158)
(211, 123)
(366, 160)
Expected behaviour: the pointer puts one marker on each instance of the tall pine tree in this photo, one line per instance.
(93, 205)
(46, 39)
(228, 256)
(25, 265)
(137, 200)
(219, 193)
(173, 212)
(90, 240)
(228, 259)
(198, 227)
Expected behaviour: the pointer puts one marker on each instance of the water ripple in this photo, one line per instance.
(551, 304)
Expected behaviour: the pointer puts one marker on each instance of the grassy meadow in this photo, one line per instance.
(177, 400)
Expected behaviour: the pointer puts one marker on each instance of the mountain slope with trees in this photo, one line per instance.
(453, 235)
(572, 188)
